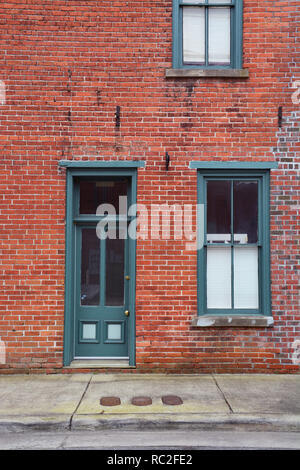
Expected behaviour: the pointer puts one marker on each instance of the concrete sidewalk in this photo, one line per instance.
(209, 402)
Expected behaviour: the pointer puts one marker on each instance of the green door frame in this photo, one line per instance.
(77, 169)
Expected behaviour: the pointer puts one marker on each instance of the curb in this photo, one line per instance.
(241, 422)
(209, 422)
(30, 423)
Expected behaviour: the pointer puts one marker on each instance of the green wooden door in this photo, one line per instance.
(101, 294)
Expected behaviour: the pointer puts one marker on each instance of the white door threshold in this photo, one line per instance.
(100, 363)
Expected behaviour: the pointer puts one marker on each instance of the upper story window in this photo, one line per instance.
(207, 34)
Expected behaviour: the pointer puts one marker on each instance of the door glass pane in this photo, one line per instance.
(219, 36)
(218, 277)
(114, 272)
(94, 193)
(193, 35)
(218, 211)
(89, 331)
(90, 267)
(246, 277)
(245, 213)
(114, 331)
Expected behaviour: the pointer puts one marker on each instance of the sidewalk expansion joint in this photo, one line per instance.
(222, 393)
(79, 403)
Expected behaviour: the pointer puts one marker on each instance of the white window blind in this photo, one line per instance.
(218, 277)
(219, 36)
(245, 268)
(193, 35)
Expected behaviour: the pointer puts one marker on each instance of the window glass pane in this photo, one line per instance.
(218, 211)
(219, 36)
(246, 277)
(219, 1)
(245, 212)
(200, 2)
(90, 267)
(218, 277)
(89, 331)
(196, 2)
(193, 35)
(94, 193)
(114, 272)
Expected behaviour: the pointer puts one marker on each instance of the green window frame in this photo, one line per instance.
(236, 33)
(262, 177)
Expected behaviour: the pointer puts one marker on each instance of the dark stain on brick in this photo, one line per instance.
(190, 89)
(186, 125)
(233, 110)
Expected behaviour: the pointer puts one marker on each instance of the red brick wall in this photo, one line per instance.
(66, 66)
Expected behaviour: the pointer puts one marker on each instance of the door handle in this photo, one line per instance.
(127, 313)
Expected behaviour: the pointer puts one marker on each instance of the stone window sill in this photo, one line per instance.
(207, 73)
(229, 321)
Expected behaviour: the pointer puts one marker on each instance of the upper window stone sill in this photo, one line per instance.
(228, 321)
(207, 73)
